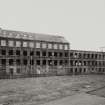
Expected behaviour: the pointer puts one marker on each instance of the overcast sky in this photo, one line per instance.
(81, 22)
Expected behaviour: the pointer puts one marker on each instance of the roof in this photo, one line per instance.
(32, 36)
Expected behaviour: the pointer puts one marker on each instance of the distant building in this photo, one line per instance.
(24, 54)
(32, 54)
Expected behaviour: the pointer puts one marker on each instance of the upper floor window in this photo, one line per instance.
(3, 42)
(60, 46)
(25, 44)
(66, 47)
(37, 45)
(31, 44)
(18, 44)
(11, 43)
(50, 46)
(55, 46)
(44, 45)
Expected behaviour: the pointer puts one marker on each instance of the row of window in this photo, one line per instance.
(32, 62)
(32, 53)
(88, 56)
(44, 45)
(87, 63)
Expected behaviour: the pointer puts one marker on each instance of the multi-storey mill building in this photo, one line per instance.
(31, 54)
(86, 62)
(23, 53)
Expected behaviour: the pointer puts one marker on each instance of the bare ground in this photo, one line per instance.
(35, 91)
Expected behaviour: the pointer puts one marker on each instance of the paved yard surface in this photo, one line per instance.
(42, 90)
(79, 99)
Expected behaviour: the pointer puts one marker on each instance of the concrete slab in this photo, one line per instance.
(79, 99)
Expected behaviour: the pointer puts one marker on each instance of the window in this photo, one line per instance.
(31, 44)
(32, 62)
(66, 62)
(17, 52)
(44, 45)
(44, 62)
(38, 62)
(49, 54)
(3, 61)
(11, 43)
(38, 53)
(60, 54)
(61, 62)
(55, 54)
(18, 44)
(18, 62)
(11, 61)
(31, 53)
(66, 47)
(24, 53)
(61, 46)
(66, 54)
(3, 42)
(3, 52)
(55, 46)
(43, 53)
(10, 52)
(25, 44)
(50, 46)
(37, 45)
(55, 62)
(71, 55)
(25, 62)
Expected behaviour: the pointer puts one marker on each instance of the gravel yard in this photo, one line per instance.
(35, 91)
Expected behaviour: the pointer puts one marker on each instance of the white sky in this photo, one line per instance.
(81, 22)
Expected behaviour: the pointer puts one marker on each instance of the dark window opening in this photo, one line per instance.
(66, 54)
(80, 70)
(50, 62)
(71, 55)
(84, 63)
(99, 69)
(92, 55)
(25, 62)
(32, 62)
(32, 53)
(10, 52)
(38, 62)
(3, 61)
(49, 54)
(75, 70)
(11, 61)
(3, 52)
(43, 53)
(66, 62)
(55, 62)
(44, 62)
(25, 53)
(17, 52)
(55, 54)
(71, 63)
(84, 70)
(60, 54)
(18, 62)
(95, 56)
(88, 55)
(61, 62)
(38, 53)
